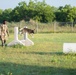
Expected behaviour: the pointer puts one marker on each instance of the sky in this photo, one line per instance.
(5, 4)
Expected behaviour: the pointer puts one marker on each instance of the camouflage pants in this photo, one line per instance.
(3, 39)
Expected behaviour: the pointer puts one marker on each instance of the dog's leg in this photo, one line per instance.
(32, 35)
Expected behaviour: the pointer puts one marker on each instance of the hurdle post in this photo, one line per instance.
(15, 41)
(15, 33)
(25, 35)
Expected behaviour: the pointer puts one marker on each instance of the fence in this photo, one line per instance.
(45, 27)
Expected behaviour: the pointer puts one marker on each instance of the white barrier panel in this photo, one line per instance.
(15, 41)
(26, 41)
(69, 48)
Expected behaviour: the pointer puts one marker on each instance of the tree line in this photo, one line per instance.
(39, 11)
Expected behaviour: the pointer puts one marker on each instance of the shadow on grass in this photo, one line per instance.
(46, 53)
(50, 53)
(18, 69)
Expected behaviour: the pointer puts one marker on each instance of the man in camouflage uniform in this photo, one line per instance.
(3, 33)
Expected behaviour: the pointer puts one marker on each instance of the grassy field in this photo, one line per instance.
(44, 58)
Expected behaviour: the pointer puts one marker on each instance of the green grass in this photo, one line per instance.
(44, 58)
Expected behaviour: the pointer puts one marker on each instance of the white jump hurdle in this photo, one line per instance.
(69, 48)
(15, 41)
(26, 41)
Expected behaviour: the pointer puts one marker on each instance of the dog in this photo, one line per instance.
(24, 30)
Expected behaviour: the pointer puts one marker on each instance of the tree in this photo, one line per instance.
(72, 15)
(43, 12)
(1, 11)
(19, 12)
(6, 14)
(62, 13)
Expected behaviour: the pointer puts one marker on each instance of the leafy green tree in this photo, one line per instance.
(39, 11)
(43, 12)
(15, 14)
(6, 14)
(72, 15)
(34, 10)
(23, 8)
(1, 11)
(62, 13)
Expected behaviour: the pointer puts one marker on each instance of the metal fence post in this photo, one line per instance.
(72, 26)
(54, 27)
(36, 27)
